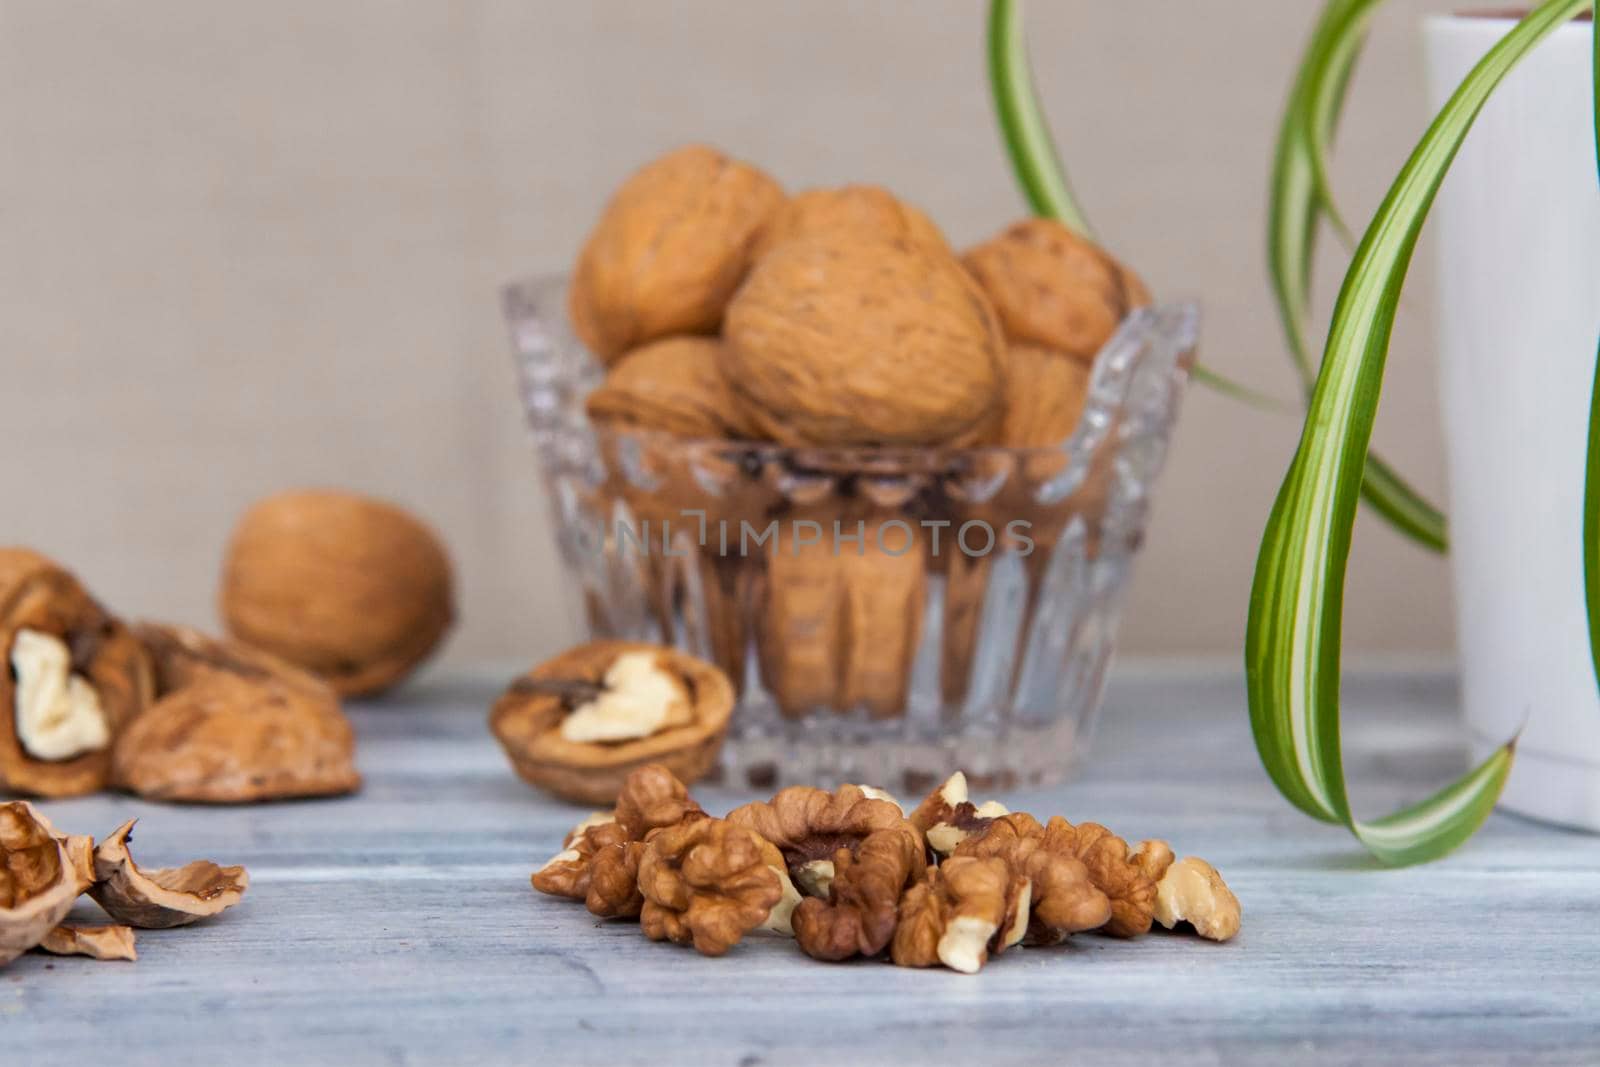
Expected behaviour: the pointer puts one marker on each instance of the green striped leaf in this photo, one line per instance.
(1301, 199)
(1591, 482)
(1037, 164)
(1292, 648)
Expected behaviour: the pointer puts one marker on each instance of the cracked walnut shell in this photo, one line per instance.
(706, 882)
(352, 589)
(73, 677)
(96, 942)
(669, 709)
(38, 879)
(1053, 288)
(164, 898)
(851, 210)
(671, 247)
(842, 340)
(232, 725)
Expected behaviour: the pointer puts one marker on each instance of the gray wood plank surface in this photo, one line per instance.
(399, 927)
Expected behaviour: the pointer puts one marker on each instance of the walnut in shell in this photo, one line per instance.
(38, 882)
(580, 724)
(706, 882)
(355, 590)
(1055, 289)
(852, 210)
(232, 724)
(674, 386)
(1046, 393)
(841, 625)
(71, 680)
(836, 339)
(164, 898)
(671, 247)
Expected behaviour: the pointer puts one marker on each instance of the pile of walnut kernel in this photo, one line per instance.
(850, 874)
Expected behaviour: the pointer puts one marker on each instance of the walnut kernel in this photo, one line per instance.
(1193, 892)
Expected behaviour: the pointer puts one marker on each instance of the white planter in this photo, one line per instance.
(1518, 226)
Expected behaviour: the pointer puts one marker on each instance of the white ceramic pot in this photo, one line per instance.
(1518, 225)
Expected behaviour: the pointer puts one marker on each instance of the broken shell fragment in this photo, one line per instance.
(96, 942)
(160, 899)
(233, 725)
(37, 881)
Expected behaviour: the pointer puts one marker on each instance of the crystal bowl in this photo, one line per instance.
(889, 615)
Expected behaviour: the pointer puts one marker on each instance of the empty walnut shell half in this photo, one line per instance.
(355, 590)
(96, 942)
(860, 210)
(580, 724)
(38, 882)
(232, 725)
(71, 679)
(840, 339)
(671, 247)
(1053, 288)
(159, 899)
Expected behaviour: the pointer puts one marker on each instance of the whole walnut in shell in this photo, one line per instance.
(861, 210)
(675, 386)
(1054, 288)
(71, 678)
(1046, 393)
(353, 589)
(671, 247)
(836, 339)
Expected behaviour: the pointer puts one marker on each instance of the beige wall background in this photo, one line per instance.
(248, 246)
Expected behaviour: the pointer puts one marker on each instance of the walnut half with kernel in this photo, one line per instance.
(580, 724)
(71, 678)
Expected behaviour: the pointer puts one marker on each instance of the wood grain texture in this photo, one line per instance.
(399, 927)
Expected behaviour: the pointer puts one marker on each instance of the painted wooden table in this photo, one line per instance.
(399, 927)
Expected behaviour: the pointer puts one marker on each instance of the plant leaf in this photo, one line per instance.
(1591, 481)
(1022, 121)
(1292, 647)
(1301, 198)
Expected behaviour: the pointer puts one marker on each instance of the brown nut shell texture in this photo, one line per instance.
(233, 725)
(96, 942)
(1055, 289)
(868, 211)
(38, 881)
(72, 678)
(584, 747)
(706, 882)
(163, 898)
(962, 912)
(674, 386)
(841, 627)
(842, 340)
(670, 249)
(353, 589)
(1046, 393)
